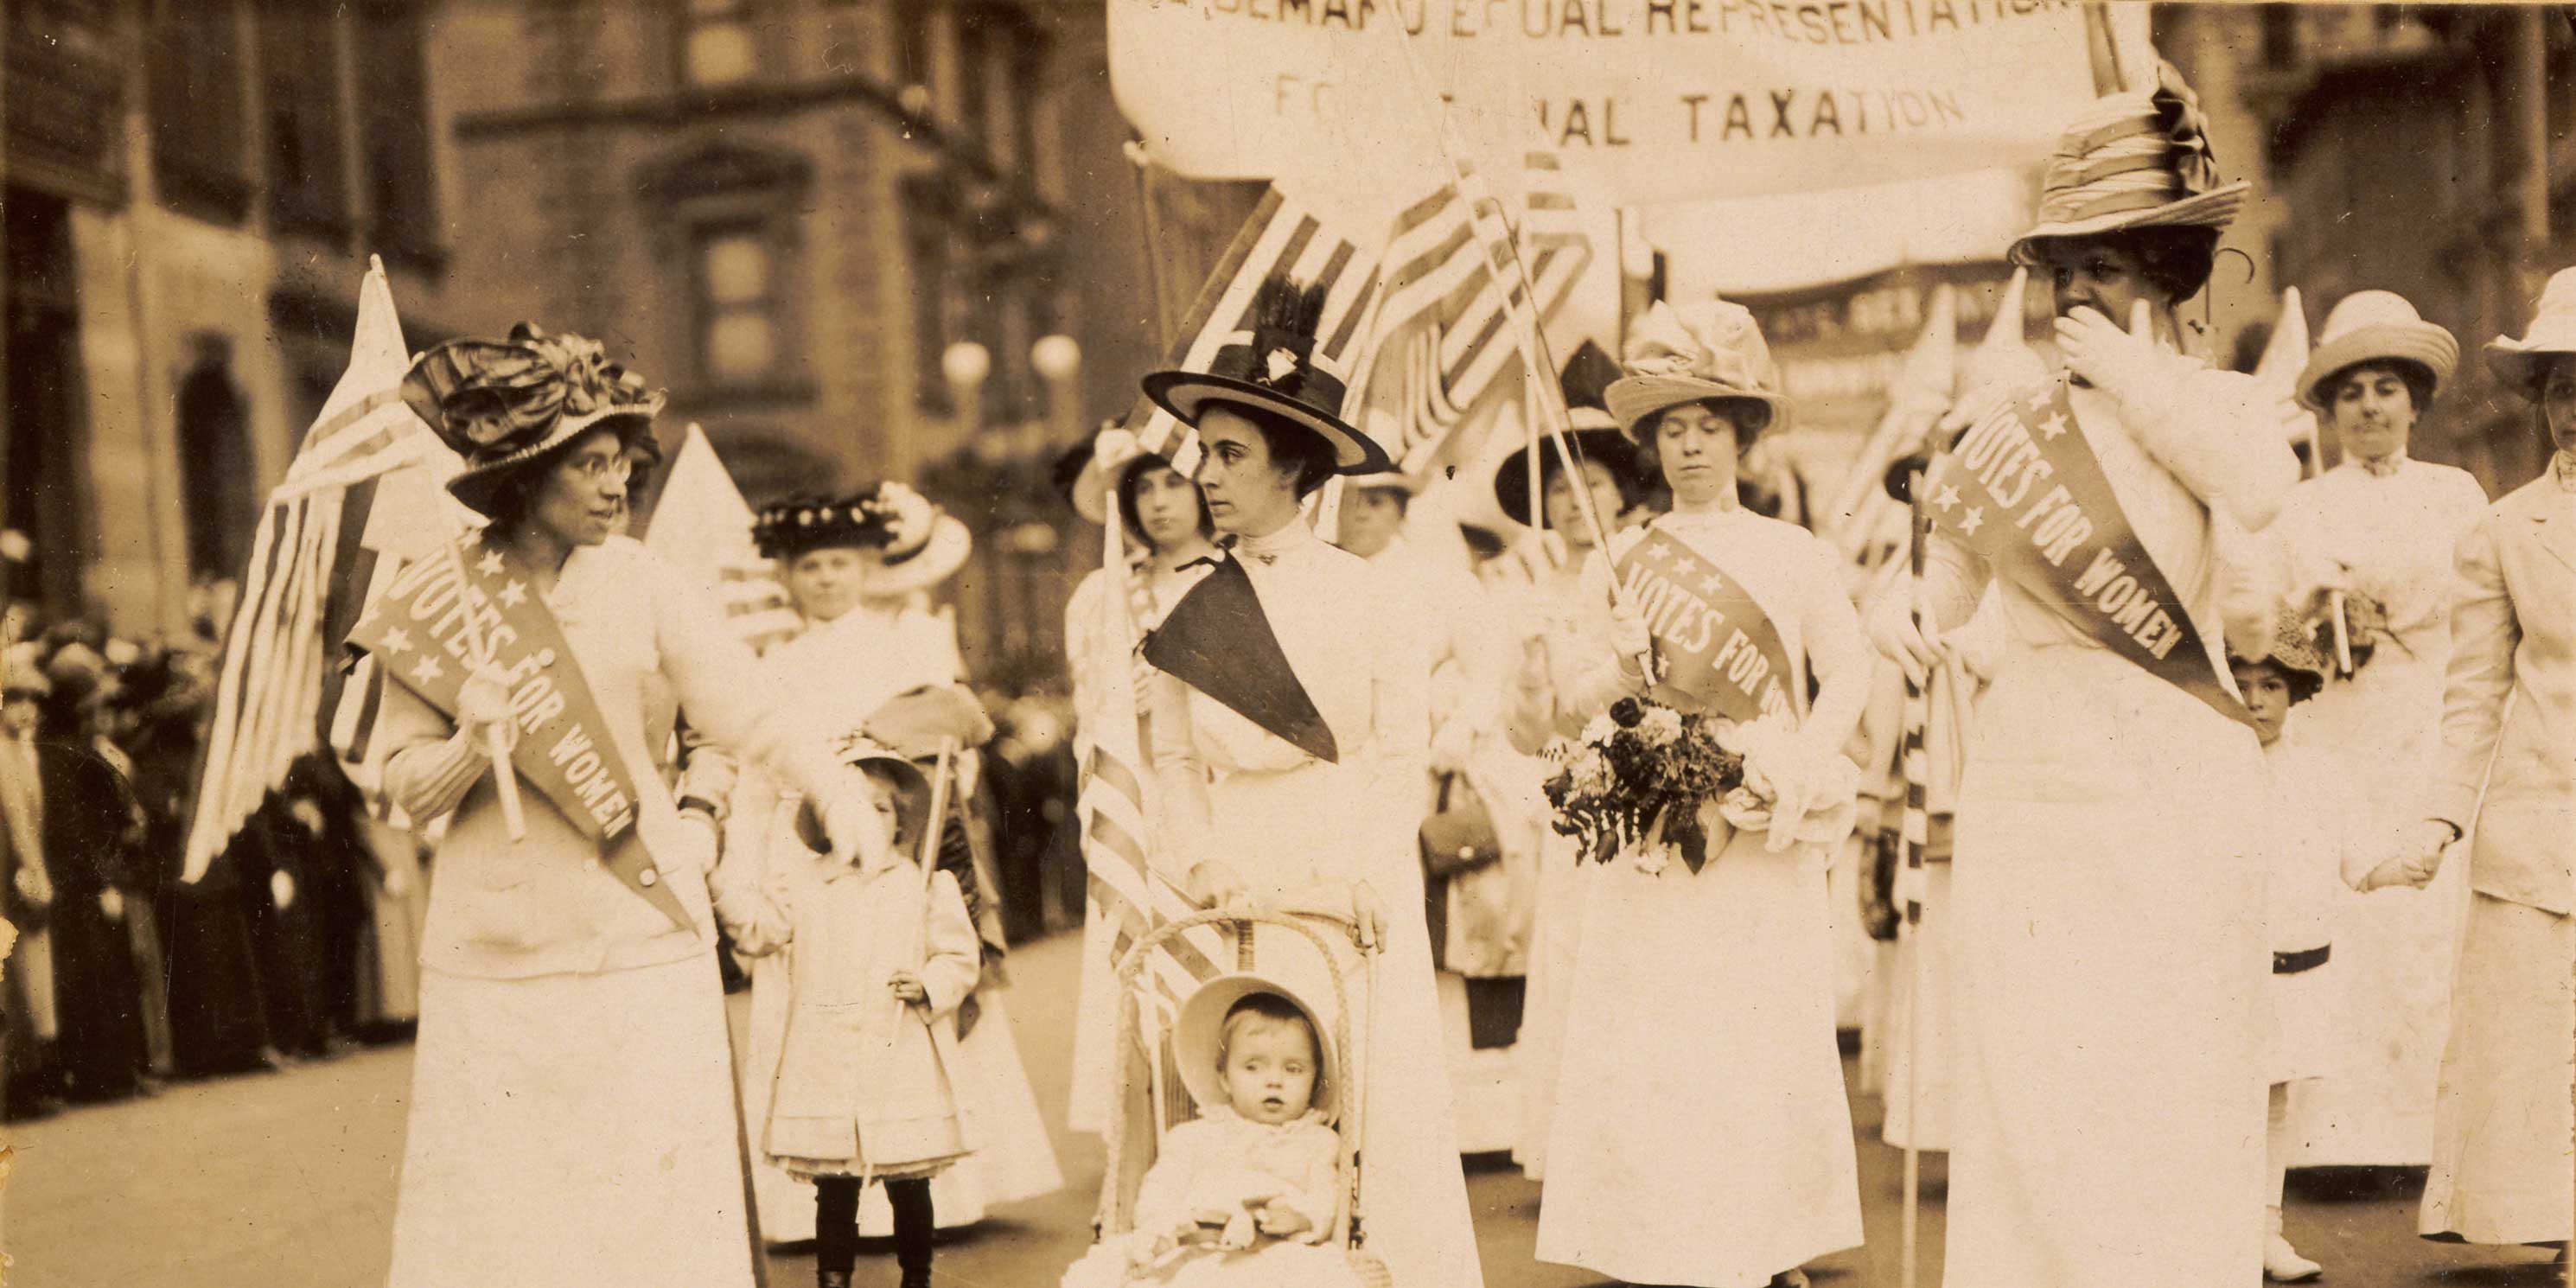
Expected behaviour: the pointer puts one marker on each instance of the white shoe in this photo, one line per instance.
(2282, 1263)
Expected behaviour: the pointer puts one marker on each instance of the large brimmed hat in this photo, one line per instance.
(1702, 351)
(2552, 333)
(1200, 1032)
(2377, 326)
(508, 405)
(1273, 368)
(923, 545)
(1596, 440)
(2135, 160)
(1115, 453)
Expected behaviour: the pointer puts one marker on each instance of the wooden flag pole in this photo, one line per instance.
(505, 777)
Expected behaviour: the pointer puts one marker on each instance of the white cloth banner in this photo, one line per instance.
(1649, 101)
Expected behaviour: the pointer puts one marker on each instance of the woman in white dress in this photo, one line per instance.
(1311, 798)
(2500, 1171)
(572, 1115)
(2107, 964)
(2380, 527)
(1560, 638)
(1701, 1132)
(1161, 513)
(857, 570)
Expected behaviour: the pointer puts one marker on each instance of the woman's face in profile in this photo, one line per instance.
(583, 500)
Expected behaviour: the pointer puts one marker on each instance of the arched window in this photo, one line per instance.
(215, 464)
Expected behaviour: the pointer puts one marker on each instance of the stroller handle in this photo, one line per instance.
(1110, 1219)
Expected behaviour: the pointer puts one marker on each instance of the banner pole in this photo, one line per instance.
(505, 777)
(1918, 707)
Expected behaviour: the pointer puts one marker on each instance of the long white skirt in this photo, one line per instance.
(1702, 1135)
(2502, 1166)
(1556, 935)
(572, 1129)
(2109, 961)
(2394, 950)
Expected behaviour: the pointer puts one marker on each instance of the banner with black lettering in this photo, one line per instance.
(1715, 647)
(2024, 489)
(417, 632)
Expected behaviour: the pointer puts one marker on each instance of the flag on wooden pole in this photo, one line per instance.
(364, 493)
(1283, 237)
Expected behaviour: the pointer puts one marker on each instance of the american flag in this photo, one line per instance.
(1454, 283)
(1282, 237)
(363, 494)
(702, 525)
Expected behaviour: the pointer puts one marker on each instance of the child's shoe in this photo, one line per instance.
(2282, 1263)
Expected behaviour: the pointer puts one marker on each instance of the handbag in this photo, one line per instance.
(1458, 837)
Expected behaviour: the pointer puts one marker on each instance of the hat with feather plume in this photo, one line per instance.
(1272, 366)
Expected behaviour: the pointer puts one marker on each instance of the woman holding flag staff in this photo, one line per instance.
(1701, 1135)
(1286, 745)
(572, 1033)
(2108, 1097)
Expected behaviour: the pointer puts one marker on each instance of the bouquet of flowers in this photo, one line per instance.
(2365, 623)
(1636, 781)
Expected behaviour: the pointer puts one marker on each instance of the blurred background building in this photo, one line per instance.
(864, 239)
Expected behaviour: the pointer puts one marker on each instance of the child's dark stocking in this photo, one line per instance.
(836, 1230)
(914, 1225)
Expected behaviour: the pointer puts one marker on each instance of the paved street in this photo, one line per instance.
(286, 1181)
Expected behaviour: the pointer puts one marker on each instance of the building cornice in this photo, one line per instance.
(701, 107)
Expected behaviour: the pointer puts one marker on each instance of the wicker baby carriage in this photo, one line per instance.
(1331, 955)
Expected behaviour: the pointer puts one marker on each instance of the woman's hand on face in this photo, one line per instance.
(2119, 362)
(483, 706)
(1914, 647)
(1369, 916)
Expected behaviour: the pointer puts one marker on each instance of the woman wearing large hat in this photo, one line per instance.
(1550, 619)
(1700, 1133)
(2107, 1118)
(857, 569)
(1163, 542)
(571, 1024)
(2502, 1124)
(1287, 738)
(2379, 529)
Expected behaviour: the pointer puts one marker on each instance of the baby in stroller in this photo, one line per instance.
(1245, 1195)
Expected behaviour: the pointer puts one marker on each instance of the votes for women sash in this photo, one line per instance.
(420, 632)
(1715, 646)
(2024, 489)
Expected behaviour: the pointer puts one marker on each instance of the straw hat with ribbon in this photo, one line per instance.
(2135, 160)
(1274, 368)
(2376, 326)
(509, 405)
(2552, 334)
(1702, 351)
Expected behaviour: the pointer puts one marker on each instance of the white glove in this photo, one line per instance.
(2128, 365)
(281, 890)
(2415, 859)
(33, 887)
(1634, 642)
(482, 706)
(111, 905)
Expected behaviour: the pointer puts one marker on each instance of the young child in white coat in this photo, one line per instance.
(867, 1081)
(2310, 819)
(1246, 1194)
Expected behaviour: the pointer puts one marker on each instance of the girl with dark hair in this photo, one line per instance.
(572, 1030)
(1162, 513)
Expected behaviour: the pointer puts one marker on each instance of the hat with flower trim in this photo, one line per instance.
(923, 545)
(511, 405)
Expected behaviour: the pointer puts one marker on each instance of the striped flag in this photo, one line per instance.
(1282, 237)
(363, 493)
(1454, 280)
(702, 524)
